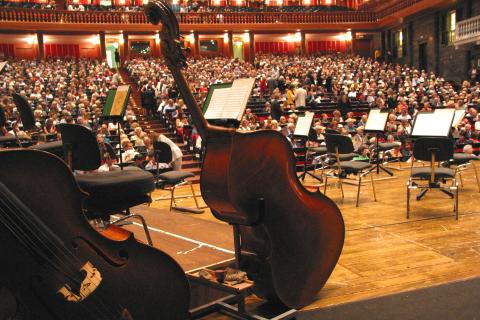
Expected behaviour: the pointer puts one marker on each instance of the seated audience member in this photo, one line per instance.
(109, 164)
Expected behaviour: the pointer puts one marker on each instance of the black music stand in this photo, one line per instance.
(376, 122)
(441, 131)
(303, 131)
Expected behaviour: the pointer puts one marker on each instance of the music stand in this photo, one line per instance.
(436, 124)
(376, 122)
(114, 110)
(302, 132)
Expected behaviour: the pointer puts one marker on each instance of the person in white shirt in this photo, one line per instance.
(177, 154)
(108, 165)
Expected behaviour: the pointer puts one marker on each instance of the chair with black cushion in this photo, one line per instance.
(462, 161)
(338, 144)
(434, 150)
(108, 192)
(172, 179)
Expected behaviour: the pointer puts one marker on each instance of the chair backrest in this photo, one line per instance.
(337, 141)
(442, 148)
(25, 110)
(3, 119)
(163, 152)
(81, 143)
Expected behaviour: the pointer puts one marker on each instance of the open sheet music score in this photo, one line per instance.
(228, 102)
(2, 65)
(377, 119)
(433, 124)
(459, 115)
(304, 124)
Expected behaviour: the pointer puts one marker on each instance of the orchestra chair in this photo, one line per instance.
(342, 145)
(384, 147)
(462, 161)
(109, 192)
(433, 150)
(171, 179)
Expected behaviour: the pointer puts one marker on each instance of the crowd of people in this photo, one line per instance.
(287, 85)
(74, 91)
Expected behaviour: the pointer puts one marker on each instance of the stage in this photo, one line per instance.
(384, 253)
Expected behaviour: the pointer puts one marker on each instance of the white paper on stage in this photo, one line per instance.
(230, 103)
(459, 115)
(2, 65)
(433, 124)
(304, 124)
(376, 121)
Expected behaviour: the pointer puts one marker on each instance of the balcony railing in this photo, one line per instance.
(101, 17)
(467, 31)
(121, 17)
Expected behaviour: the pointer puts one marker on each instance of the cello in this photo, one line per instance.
(291, 238)
(55, 266)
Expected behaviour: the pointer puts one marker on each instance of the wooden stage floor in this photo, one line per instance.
(384, 253)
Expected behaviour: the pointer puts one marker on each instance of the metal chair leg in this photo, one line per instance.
(408, 200)
(142, 220)
(358, 190)
(476, 175)
(341, 187)
(325, 186)
(373, 188)
(461, 178)
(194, 196)
(172, 201)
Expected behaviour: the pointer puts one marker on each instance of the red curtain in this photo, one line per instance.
(6, 50)
(62, 50)
(326, 46)
(275, 47)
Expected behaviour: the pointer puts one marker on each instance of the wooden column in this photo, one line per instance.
(251, 53)
(103, 46)
(230, 44)
(196, 45)
(126, 52)
(40, 46)
(303, 44)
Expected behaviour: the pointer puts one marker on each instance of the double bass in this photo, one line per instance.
(291, 238)
(55, 266)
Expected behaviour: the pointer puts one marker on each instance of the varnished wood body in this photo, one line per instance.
(297, 238)
(300, 237)
(138, 279)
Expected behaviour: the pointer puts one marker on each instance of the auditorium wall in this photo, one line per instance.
(423, 32)
(22, 46)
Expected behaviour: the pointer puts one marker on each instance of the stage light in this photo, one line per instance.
(225, 37)
(29, 39)
(307, 2)
(246, 37)
(191, 38)
(216, 2)
(297, 37)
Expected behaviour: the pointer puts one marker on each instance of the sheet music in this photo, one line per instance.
(433, 124)
(376, 120)
(230, 103)
(459, 115)
(304, 124)
(217, 103)
(2, 65)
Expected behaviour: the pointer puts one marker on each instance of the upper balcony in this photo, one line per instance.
(91, 21)
(467, 31)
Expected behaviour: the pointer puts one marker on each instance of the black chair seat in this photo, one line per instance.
(345, 156)
(462, 158)
(54, 147)
(7, 139)
(174, 177)
(318, 150)
(116, 186)
(388, 145)
(440, 173)
(353, 166)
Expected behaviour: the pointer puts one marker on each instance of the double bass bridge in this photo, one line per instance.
(88, 285)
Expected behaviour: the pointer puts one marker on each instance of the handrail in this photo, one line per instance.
(468, 29)
(119, 17)
(134, 17)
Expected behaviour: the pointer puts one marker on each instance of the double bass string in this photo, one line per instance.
(29, 243)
